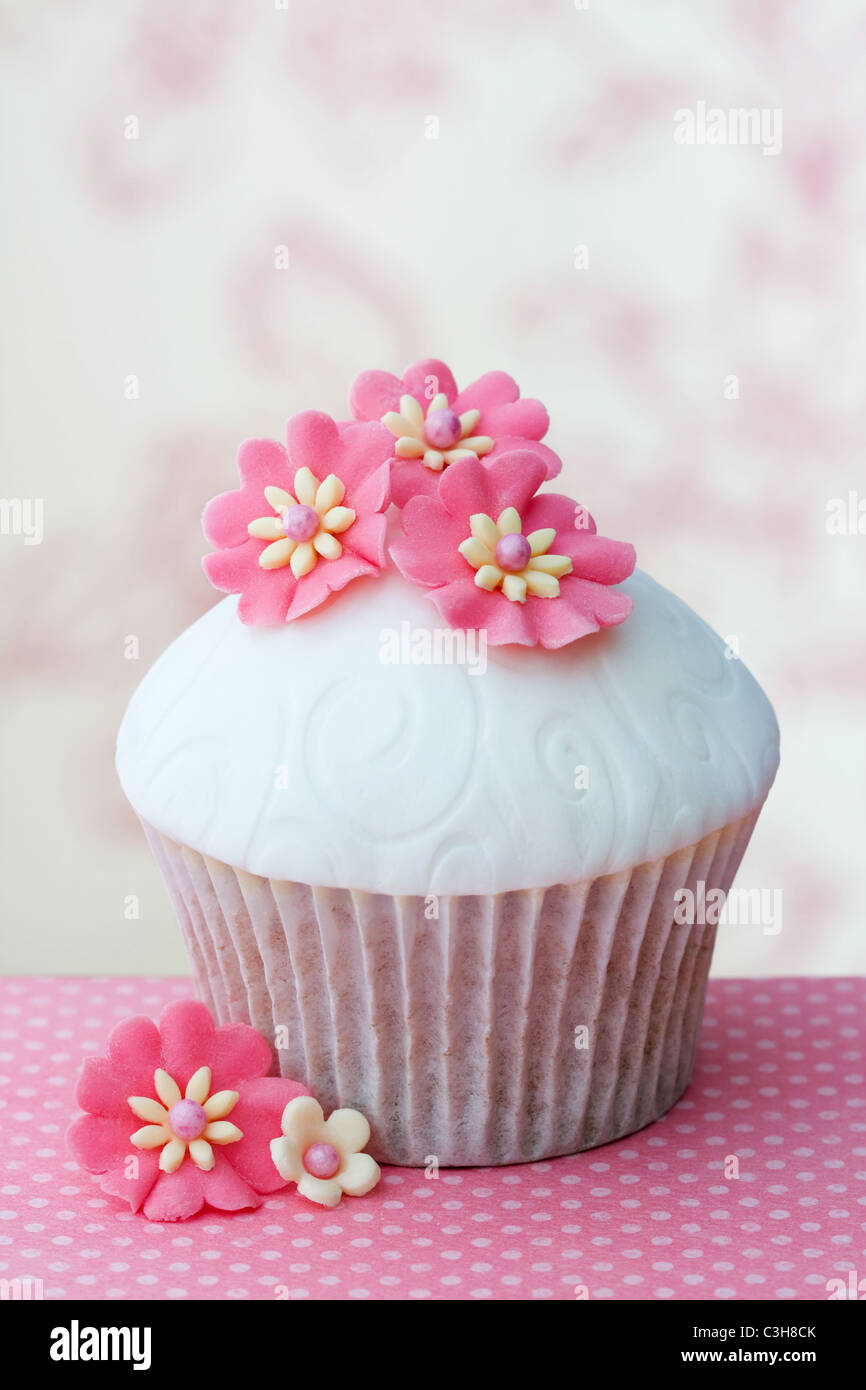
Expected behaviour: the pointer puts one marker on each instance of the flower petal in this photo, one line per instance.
(261, 463)
(408, 448)
(554, 512)
(513, 480)
(503, 410)
(551, 564)
(303, 559)
(359, 1176)
(338, 519)
(348, 1130)
(593, 557)
(201, 1154)
(485, 530)
(541, 540)
(220, 1104)
(328, 579)
(411, 479)
(490, 390)
(239, 1054)
(412, 412)
(172, 1155)
(365, 466)
(226, 517)
(465, 490)
(607, 606)
(330, 494)
(478, 444)
(302, 1120)
(133, 1052)
(258, 1111)
(582, 608)
(132, 1179)
(224, 1188)
(237, 571)
(265, 595)
(198, 1086)
(507, 444)
(367, 539)
(314, 443)
(98, 1143)
(476, 552)
(373, 394)
(523, 419)
(275, 556)
(489, 577)
(166, 1088)
(286, 1157)
(266, 528)
(429, 378)
(306, 486)
(427, 551)
(508, 522)
(542, 585)
(327, 546)
(463, 605)
(600, 559)
(327, 1192)
(178, 1195)
(187, 1031)
(222, 1132)
(397, 423)
(514, 588)
(278, 498)
(147, 1109)
(150, 1136)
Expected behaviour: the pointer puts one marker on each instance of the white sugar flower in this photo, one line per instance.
(437, 438)
(324, 1156)
(303, 527)
(188, 1123)
(505, 558)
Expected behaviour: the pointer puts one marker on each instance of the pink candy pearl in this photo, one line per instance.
(442, 429)
(300, 523)
(322, 1160)
(513, 552)
(187, 1119)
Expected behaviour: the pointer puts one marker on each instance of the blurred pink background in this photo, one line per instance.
(433, 172)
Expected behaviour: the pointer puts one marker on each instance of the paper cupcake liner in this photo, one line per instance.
(457, 1034)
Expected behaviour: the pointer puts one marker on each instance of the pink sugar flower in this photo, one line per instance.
(181, 1115)
(306, 521)
(434, 425)
(522, 566)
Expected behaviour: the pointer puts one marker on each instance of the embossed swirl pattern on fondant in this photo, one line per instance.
(304, 756)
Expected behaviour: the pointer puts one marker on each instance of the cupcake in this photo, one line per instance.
(428, 786)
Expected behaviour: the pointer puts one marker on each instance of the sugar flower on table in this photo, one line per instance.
(181, 1115)
(434, 425)
(307, 519)
(324, 1156)
(524, 566)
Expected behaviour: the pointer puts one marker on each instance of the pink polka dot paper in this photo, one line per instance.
(754, 1186)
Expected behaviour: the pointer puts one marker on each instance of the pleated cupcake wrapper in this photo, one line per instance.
(457, 1034)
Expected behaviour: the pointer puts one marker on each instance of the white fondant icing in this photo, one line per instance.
(299, 753)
